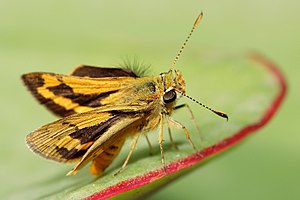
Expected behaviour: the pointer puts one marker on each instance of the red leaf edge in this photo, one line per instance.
(175, 166)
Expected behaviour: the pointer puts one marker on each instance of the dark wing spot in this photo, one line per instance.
(70, 154)
(82, 99)
(92, 133)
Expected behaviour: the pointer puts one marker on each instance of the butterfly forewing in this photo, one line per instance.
(65, 95)
(102, 72)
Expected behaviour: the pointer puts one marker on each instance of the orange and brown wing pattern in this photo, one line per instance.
(66, 95)
(69, 138)
(93, 127)
(100, 151)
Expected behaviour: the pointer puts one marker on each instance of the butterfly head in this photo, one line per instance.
(173, 86)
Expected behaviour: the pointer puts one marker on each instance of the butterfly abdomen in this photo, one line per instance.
(102, 161)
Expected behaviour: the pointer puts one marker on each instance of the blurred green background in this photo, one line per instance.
(57, 35)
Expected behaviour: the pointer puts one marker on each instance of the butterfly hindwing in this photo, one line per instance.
(117, 132)
(71, 138)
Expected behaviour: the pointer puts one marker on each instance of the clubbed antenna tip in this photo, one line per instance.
(198, 19)
(221, 114)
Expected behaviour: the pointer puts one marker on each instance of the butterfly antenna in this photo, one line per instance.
(187, 39)
(221, 114)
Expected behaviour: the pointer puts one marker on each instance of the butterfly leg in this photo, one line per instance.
(133, 145)
(176, 123)
(149, 145)
(191, 115)
(160, 140)
(171, 138)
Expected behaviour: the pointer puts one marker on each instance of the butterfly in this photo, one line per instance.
(100, 108)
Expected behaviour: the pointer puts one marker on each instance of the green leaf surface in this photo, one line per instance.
(248, 89)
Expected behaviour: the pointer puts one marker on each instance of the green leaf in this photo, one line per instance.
(248, 89)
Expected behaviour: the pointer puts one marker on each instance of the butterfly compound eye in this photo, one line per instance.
(169, 96)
